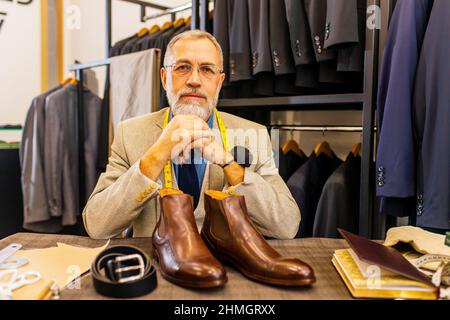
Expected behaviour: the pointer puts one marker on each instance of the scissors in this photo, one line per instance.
(17, 280)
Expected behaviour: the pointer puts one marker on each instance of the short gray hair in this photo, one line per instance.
(192, 34)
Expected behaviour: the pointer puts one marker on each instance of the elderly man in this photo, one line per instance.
(154, 150)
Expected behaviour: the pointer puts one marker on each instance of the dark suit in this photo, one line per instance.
(306, 186)
(147, 42)
(220, 28)
(396, 156)
(261, 55)
(282, 57)
(431, 118)
(289, 163)
(338, 206)
(239, 35)
(118, 46)
(129, 45)
(301, 45)
(316, 11)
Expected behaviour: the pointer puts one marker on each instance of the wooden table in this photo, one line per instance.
(315, 251)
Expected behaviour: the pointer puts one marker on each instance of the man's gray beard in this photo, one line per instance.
(179, 108)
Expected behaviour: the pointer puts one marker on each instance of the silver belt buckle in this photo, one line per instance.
(139, 266)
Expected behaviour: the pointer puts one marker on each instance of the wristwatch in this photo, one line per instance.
(223, 166)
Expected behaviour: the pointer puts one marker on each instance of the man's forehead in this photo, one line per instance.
(201, 50)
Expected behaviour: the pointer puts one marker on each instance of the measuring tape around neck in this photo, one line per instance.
(168, 167)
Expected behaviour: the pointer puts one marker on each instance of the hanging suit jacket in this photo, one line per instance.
(124, 196)
(32, 150)
(338, 205)
(239, 35)
(396, 156)
(282, 57)
(117, 47)
(222, 36)
(306, 185)
(61, 150)
(432, 121)
(261, 56)
(301, 45)
(289, 163)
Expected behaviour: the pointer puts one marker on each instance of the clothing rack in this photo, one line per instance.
(195, 16)
(314, 128)
(370, 224)
(181, 8)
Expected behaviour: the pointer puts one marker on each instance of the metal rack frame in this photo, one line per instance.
(365, 100)
(368, 225)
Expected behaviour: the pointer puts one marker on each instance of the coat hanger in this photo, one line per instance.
(293, 146)
(179, 22)
(356, 150)
(154, 28)
(166, 25)
(188, 20)
(324, 148)
(68, 81)
(142, 32)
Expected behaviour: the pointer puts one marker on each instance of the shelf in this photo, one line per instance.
(295, 101)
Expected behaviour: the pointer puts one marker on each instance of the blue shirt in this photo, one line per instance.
(200, 163)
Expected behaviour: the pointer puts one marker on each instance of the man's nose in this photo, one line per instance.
(194, 79)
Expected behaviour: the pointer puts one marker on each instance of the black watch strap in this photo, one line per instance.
(227, 164)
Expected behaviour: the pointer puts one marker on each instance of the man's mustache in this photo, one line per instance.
(192, 91)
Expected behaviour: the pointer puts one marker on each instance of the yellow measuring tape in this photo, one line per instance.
(168, 167)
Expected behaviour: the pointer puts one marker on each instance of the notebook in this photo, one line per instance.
(371, 270)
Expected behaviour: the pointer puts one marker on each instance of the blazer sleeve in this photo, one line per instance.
(342, 22)
(396, 166)
(119, 196)
(269, 202)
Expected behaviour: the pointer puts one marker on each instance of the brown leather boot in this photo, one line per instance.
(183, 257)
(231, 236)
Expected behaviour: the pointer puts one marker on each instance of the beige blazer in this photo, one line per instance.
(124, 197)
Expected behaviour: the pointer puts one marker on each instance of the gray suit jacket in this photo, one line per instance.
(280, 43)
(125, 197)
(259, 36)
(32, 149)
(240, 61)
(301, 46)
(61, 153)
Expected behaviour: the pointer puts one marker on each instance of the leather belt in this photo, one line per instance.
(123, 272)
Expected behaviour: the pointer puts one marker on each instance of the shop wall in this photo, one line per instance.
(20, 58)
(85, 25)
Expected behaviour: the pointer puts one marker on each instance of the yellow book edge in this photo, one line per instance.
(430, 294)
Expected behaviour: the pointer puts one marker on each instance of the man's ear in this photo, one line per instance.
(221, 79)
(163, 73)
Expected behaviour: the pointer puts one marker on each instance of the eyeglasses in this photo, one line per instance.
(183, 69)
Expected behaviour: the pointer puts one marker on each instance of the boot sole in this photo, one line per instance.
(186, 283)
(279, 282)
